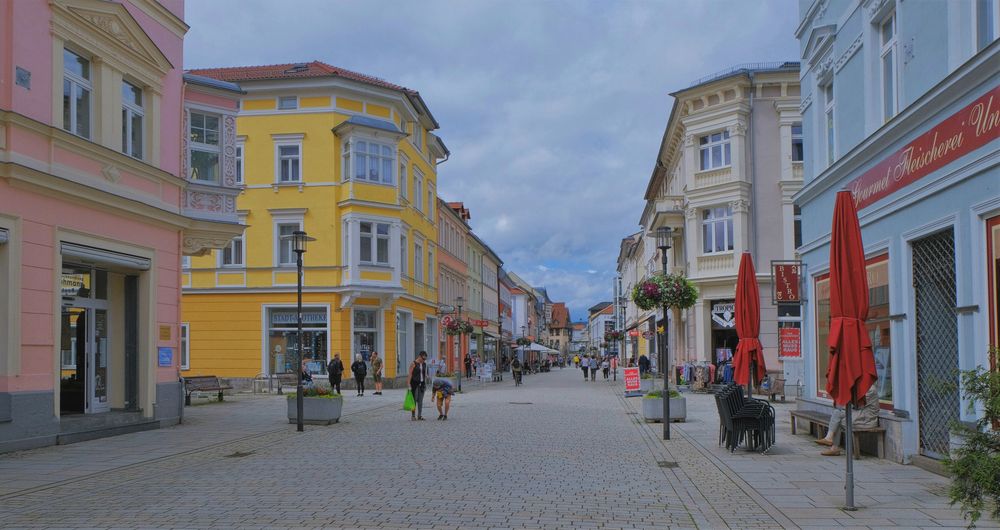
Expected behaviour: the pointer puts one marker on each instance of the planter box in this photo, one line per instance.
(316, 410)
(646, 385)
(652, 409)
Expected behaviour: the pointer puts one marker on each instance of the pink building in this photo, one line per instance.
(98, 127)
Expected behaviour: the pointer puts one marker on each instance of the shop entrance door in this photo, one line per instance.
(84, 359)
(937, 335)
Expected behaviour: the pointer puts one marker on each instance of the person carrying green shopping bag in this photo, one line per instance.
(418, 383)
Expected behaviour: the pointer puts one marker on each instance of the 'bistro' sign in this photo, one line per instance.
(968, 129)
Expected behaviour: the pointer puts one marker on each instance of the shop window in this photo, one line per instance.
(365, 332)
(77, 88)
(132, 120)
(717, 230)
(878, 326)
(204, 147)
(283, 340)
(185, 346)
(714, 150)
(797, 146)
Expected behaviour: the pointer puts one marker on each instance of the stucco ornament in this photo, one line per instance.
(112, 174)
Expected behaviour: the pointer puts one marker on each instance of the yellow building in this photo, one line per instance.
(349, 159)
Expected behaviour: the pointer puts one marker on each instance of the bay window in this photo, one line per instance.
(714, 150)
(204, 147)
(132, 120)
(373, 162)
(717, 229)
(374, 243)
(76, 94)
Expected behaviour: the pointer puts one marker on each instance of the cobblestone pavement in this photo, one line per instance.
(554, 453)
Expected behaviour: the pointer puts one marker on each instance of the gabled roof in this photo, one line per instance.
(560, 316)
(599, 307)
(310, 70)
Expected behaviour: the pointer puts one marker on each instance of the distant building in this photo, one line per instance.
(601, 320)
(560, 328)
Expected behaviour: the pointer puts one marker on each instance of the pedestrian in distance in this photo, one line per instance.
(443, 391)
(606, 368)
(644, 365)
(360, 370)
(335, 369)
(585, 366)
(468, 366)
(418, 385)
(516, 369)
(576, 360)
(377, 373)
(594, 363)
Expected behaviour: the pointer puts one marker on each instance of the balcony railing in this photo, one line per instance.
(713, 178)
(715, 263)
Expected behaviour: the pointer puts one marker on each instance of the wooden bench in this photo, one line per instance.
(817, 418)
(203, 383)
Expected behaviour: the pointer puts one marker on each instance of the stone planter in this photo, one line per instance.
(652, 409)
(316, 410)
(646, 385)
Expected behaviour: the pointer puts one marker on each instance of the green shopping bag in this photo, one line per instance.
(409, 403)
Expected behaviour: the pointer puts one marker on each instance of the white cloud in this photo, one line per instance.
(553, 110)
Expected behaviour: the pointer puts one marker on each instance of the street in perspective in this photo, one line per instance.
(455, 265)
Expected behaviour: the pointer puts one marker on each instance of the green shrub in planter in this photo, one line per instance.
(975, 464)
(658, 394)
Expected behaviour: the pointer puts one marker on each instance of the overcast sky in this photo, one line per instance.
(553, 110)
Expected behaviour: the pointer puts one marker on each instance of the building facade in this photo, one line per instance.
(96, 210)
(453, 234)
(901, 106)
(560, 329)
(601, 319)
(490, 289)
(507, 334)
(351, 160)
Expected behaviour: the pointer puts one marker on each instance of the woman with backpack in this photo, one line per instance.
(360, 370)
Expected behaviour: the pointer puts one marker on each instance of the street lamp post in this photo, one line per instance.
(299, 240)
(663, 243)
(461, 358)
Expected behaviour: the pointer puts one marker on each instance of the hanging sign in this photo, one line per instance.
(789, 342)
(633, 333)
(631, 380)
(480, 323)
(963, 132)
(724, 314)
(786, 275)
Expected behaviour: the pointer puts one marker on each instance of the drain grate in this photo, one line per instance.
(520, 403)
(239, 454)
(632, 413)
(666, 463)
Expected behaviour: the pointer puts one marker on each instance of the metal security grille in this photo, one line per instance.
(937, 339)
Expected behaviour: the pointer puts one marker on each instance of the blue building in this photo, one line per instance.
(901, 106)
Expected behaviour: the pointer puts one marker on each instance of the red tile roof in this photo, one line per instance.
(560, 316)
(237, 74)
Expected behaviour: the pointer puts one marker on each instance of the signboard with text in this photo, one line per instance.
(631, 380)
(787, 279)
(789, 342)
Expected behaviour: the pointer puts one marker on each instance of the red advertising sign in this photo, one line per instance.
(633, 333)
(786, 276)
(789, 342)
(480, 323)
(968, 129)
(631, 379)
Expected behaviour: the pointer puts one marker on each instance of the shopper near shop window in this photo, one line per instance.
(336, 371)
(360, 370)
(377, 373)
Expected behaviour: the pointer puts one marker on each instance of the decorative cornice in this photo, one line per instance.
(848, 53)
(825, 67)
(740, 206)
(805, 104)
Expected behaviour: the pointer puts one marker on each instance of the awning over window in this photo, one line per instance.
(3, 236)
(97, 256)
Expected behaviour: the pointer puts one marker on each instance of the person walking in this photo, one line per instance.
(418, 384)
(644, 365)
(585, 366)
(443, 391)
(335, 369)
(468, 366)
(360, 370)
(516, 370)
(377, 373)
(593, 368)
(606, 368)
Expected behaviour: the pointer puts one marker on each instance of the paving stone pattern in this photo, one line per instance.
(556, 452)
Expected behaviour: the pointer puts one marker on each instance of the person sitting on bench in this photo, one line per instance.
(867, 416)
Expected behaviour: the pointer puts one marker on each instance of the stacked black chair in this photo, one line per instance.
(744, 419)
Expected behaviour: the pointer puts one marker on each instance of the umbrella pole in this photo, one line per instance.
(850, 460)
(753, 368)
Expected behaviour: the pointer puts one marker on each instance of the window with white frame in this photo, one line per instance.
(797, 146)
(289, 163)
(132, 120)
(717, 229)
(373, 162)
(831, 141)
(76, 94)
(430, 266)
(374, 243)
(714, 150)
(404, 265)
(234, 254)
(418, 136)
(185, 346)
(987, 21)
(888, 66)
(284, 230)
(204, 147)
(239, 163)
(418, 189)
(288, 102)
(404, 191)
(185, 262)
(418, 261)
(430, 201)
(366, 330)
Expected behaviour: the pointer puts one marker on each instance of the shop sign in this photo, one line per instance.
(633, 333)
(446, 320)
(165, 356)
(724, 314)
(631, 379)
(480, 323)
(789, 342)
(285, 318)
(963, 132)
(786, 276)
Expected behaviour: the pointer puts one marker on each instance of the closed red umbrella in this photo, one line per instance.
(749, 353)
(852, 366)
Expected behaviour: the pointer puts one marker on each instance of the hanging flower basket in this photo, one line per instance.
(521, 341)
(670, 290)
(457, 327)
(614, 336)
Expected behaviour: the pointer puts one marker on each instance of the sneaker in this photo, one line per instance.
(413, 418)
(440, 416)
(444, 417)
(421, 418)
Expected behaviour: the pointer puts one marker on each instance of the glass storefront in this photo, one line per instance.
(283, 343)
(877, 324)
(365, 333)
